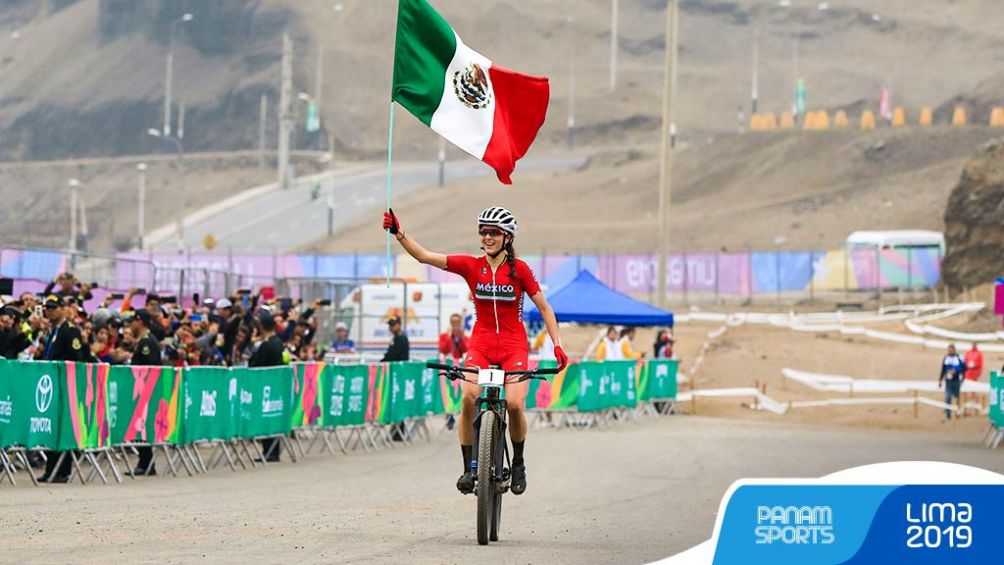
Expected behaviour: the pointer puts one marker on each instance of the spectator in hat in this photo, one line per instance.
(398, 349)
(63, 342)
(342, 343)
(145, 354)
(974, 363)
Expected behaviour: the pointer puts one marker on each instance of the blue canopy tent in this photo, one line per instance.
(587, 300)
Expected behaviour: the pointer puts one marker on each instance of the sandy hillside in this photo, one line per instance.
(738, 192)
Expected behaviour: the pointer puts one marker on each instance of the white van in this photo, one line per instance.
(896, 239)
(424, 308)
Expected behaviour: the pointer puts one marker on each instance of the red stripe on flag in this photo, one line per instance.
(520, 108)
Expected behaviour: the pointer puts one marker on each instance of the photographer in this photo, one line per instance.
(12, 340)
(69, 285)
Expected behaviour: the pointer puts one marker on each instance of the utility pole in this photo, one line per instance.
(665, 163)
(571, 88)
(285, 113)
(755, 90)
(74, 195)
(441, 158)
(262, 118)
(613, 44)
(141, 209)
(181, 119)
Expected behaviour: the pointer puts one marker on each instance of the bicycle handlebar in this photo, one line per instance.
(452, 372)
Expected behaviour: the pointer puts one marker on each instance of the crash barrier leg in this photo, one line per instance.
(6, 467)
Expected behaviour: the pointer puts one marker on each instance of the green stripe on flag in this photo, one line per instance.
(424, 48)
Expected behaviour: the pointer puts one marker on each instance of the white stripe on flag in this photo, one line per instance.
(468, 128)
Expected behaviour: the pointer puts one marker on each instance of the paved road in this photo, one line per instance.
(278, 221)
(629, 494)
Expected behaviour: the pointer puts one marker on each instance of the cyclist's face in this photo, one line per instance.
(492, 238)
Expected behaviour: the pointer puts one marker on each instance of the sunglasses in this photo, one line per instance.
(491, 233)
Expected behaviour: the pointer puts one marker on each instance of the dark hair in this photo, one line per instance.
(626, 330)
(511, 257)
(658, 341)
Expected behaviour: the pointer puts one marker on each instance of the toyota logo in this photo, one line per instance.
(43, 393)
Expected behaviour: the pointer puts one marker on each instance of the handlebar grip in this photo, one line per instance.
(549, 371)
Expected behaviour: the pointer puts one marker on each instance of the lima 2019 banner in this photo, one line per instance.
(913, 512)
(720, 273)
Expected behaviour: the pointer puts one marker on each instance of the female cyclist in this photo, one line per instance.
(497, 280)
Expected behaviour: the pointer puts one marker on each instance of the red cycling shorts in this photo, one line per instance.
(488, 353)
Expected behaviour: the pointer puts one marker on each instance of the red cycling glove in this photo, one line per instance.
(559, 355)
(390, 222)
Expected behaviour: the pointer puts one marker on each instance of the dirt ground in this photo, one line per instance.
(630, 493)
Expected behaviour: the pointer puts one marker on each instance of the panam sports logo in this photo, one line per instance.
(791, 525)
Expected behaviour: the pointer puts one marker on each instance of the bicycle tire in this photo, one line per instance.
(496, 518)
(486, 465)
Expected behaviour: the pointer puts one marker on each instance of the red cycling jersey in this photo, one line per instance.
(499, 337)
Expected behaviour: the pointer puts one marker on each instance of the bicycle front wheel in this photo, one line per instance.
(486, 486)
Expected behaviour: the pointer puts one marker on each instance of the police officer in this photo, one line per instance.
(270, 353)
(62, 343)
(146, 353)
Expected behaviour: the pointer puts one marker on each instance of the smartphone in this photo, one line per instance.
(169, 299)
(6, 286)
(94, 285)
(285, 304)
(195, 317)
(116, 296)
(195, 300)
(325, 302)
(38, 310)
(140, 291)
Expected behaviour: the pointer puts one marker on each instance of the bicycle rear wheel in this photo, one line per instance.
(486, 465)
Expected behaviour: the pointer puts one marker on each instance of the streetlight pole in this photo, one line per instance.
(169, 72)
(74, 197)
(614, 10)
(571, 89)
(141, 208)
(180, 151)
(665, 181)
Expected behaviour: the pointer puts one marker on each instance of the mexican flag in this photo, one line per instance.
(486, 110)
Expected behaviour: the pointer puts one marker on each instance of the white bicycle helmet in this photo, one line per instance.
(499, 217)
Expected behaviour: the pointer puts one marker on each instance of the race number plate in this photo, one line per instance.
(491, 377)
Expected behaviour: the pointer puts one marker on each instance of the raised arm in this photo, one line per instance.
(421, 254)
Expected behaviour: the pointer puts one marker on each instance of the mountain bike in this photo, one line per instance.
(491, 465)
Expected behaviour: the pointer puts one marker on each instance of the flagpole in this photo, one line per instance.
(390, 158)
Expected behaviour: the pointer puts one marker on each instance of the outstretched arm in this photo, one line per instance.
(551, 323)
(421, 254)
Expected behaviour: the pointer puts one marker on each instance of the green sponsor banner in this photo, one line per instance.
(345, 389)
(210, 407)
(265, 398)
(606, 384)
(30, 403)
(432, 393)
(406, 391)
(144, 404)
(996, 399)
(657, 380)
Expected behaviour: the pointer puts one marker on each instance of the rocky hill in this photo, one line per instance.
(86, 77)
(974, 221)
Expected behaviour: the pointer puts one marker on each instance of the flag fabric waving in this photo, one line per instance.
(488, 111)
